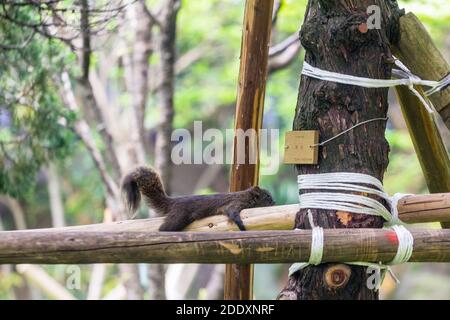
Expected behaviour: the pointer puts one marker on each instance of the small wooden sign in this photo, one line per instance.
(298, 148)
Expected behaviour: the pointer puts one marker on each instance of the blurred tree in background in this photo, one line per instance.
(90, 89)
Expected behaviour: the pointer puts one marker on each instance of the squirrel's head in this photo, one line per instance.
(262, 197)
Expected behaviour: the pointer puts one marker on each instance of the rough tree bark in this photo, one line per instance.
(336, 38)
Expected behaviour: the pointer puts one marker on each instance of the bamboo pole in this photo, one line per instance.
(418, 52)
(340, 245)
(425, 208)
(430, 149)
(411, 209)
(249, 113)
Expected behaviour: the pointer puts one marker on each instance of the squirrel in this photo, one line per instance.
(180, 211)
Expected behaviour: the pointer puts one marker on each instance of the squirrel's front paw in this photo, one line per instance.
(236, 218)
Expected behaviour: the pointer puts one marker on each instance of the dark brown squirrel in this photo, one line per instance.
(183, 210)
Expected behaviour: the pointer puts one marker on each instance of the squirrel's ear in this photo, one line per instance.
(255, 189)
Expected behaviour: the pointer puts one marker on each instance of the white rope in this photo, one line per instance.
(316, 254)
(394, 207)
(315, 257)
(383, 267)
(405, 245)
(404, 251)
(408, 79)
(350, 182)
(436, 87)
(343, 181)
(445, 82)
(416, 80)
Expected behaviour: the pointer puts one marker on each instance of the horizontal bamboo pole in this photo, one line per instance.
(268, 218)
(340, 245)
(425, 208)
(412, 209)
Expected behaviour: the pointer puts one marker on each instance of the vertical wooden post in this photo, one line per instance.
(418, 52)
(249, 114)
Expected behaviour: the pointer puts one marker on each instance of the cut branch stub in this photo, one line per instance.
(337, 276)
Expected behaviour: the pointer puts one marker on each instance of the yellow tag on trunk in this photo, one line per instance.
(298, 147)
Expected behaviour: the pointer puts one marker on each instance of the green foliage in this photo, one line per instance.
(8, 281)
(34, 127)
(404, 174)
(435, 14)
(84, 198)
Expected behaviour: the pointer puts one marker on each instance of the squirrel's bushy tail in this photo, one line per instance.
(144, 181)
(131, 193)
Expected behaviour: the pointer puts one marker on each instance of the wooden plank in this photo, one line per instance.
(418, 52)
(249, 114)
(340, 245)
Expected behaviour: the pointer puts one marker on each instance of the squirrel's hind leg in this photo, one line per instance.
(173, 225)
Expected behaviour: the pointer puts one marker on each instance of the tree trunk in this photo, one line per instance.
(165, 126)
(166, 91)
(55, 196)
(336, 37)
(142, 51)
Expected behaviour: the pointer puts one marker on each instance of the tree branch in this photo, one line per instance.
(16, 211)
(85, 55)
(84, 132)
(283, 54)
(276, 10)
(166, 92)
(42, 280)
(142, 51)
(87, 93)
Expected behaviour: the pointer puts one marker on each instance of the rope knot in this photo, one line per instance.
(351, 182)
